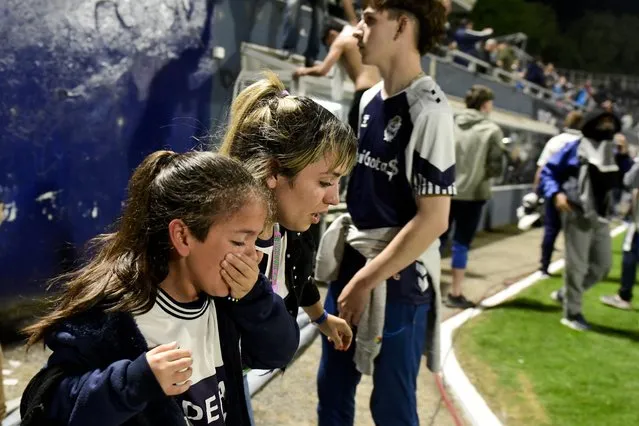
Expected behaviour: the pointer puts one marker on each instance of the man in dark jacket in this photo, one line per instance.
(578, 180)
(466, 37)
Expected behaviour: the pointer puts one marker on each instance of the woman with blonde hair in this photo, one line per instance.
(298, 150)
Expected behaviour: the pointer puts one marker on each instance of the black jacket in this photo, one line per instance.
(98, 374)
(300, 258)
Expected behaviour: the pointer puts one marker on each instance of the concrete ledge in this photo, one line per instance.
(13, 413)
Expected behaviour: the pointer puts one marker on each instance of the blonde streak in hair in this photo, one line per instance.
(287, 105)
(344, 153)
(274, 81)
(344, 159)
(333, 144)
(298, 163)
(257, 166)
(245, 104)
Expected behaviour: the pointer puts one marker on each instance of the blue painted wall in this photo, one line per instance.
(88, 88)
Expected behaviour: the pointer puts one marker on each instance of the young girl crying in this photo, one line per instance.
(155, 328)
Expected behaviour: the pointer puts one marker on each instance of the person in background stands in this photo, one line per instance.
(579, 180)
(467, 38)
(479, 157)
(623, 299)
(552, 220)
(343, 49)
(292, 29)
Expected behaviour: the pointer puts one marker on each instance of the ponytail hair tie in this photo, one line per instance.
(284, 93)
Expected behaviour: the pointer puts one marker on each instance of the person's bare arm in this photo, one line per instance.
(349, 11)
(320, 70)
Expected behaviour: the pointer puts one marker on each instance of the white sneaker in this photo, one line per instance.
(616, 302)
(576, 322)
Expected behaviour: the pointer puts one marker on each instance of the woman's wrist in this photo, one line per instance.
(321, 319)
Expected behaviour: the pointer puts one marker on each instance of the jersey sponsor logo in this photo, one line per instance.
(392, 128)
(389, 168)
(205, 406)
(365, 119)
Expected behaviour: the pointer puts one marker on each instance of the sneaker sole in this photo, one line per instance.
(571, 324)
(613, 305)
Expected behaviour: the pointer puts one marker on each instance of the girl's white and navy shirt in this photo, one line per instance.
(193, 326)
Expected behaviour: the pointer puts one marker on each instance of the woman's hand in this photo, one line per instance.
(338, 331)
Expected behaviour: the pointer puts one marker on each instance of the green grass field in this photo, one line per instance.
(534, 371)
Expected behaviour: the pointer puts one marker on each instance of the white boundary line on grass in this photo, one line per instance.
(474, 406)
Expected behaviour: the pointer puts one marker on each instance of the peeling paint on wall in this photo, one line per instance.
(49, 195)
(91, 87)
(10, 211)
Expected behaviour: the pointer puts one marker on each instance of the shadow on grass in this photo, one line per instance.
(535, 305)
(527, 304)
(631, 335)
(612, 279)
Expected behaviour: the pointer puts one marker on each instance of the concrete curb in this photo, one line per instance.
(13, 413)
(475, 407)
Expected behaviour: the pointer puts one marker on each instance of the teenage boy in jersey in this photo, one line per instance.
(400, 189)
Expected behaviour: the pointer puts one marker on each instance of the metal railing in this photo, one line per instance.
(504, 77)
(579, 77)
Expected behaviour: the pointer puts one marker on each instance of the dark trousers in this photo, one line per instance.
(629, 264)
(394, 399)
(292, 26)
(552, 226)
(464, 215)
